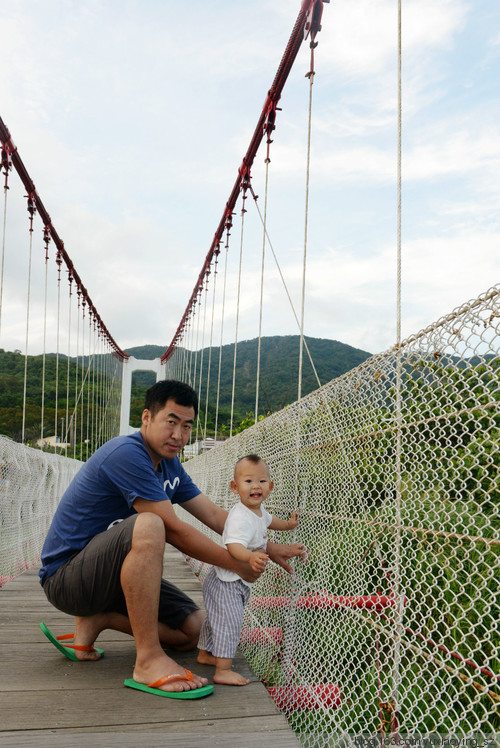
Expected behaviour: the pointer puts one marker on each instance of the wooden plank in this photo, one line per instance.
(45, 668)
(268, 724)
(150, 739)
(48, 700)
(117, 705)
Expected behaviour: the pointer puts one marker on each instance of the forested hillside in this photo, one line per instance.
(279, 365)
(278, 379)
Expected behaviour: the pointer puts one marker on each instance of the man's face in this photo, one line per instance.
(166, 433)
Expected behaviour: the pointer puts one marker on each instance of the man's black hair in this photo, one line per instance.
(169, 389)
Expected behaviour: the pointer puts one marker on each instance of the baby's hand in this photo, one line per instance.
(258, 561)
(293, 521)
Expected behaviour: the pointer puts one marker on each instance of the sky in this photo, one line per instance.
(132, 119)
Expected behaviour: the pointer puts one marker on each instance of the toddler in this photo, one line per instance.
(225, 594)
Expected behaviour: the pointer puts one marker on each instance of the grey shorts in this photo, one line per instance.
(89, 582)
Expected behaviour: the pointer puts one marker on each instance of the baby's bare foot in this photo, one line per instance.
(206, 658)
(230, 678)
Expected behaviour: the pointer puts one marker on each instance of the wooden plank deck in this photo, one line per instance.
(47, 700)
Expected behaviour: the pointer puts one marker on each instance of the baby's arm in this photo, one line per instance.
(282, 524)
(257, 559)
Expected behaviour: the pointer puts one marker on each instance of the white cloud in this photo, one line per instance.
(133, 126)
(361, 38)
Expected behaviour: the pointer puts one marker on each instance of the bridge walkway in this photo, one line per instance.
(47, 700)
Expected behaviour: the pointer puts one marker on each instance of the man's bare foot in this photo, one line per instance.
(230, 678)
(152, 670)
(206, 658)
(86, 632)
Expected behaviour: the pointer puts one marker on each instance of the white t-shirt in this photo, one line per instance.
(245, 527)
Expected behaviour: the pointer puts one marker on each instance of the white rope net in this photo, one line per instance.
(31, 485)
(391, 625)
(32, 480)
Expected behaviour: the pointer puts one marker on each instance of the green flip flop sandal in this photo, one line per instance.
(154, 688)
(68, 649)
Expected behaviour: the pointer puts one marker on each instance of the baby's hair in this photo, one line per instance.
(251, 458)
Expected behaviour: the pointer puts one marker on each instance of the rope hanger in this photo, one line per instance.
(307, 26)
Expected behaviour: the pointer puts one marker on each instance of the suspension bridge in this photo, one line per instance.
(390, 628)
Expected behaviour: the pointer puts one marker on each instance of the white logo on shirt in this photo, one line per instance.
(115, 522)
(173, 485)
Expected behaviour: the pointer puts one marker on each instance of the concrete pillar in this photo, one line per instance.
(134, 364)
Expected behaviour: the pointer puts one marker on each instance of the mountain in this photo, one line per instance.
(279, 365)
(278, 380)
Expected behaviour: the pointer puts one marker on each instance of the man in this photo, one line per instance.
(103, 555)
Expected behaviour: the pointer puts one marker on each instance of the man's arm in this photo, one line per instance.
(192, 542)
(214, 516)
(206, 511)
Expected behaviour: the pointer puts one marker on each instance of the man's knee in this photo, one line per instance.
(149, 529)
(192, 627)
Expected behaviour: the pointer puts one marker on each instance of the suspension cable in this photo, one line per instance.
(205, 297)
(308, 24)
(67, 425)
(399, 418)
(195, 371)
(270, 244)
(31, 211)
(82, 406)
(309, 75)
(266, 192)
(59, 263)
(91, 364)
(210, 345)
(228, 233)
(77, 366)
(6, 165)
(46, 239)
(94, 385)
(243, 211)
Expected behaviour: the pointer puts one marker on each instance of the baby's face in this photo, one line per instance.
(252, 483)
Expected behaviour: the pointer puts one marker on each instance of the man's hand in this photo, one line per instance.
(245, 571)
(281, 554)
(258, 561)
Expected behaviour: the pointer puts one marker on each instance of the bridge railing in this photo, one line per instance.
(391, 625)
(31, 485)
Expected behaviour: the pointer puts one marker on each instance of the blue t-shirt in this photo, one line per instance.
(103, 491)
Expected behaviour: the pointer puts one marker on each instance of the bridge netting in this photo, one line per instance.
(32, 482)
(390, 627)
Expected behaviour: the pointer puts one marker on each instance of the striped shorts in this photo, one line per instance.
(224, 603)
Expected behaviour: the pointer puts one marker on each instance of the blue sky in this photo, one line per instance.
(132, 119)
